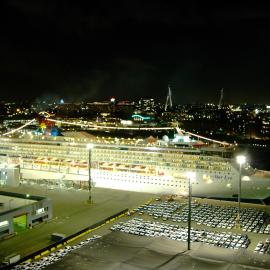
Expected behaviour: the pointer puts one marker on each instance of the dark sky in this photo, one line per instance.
(97, 49)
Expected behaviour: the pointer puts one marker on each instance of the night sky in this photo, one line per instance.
(129, 49)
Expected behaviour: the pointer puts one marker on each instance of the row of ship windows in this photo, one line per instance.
(149, 183)
(160, 161)
(226, 175)
(174, 166)
(127, 169)
(220, 168)
(162, 157)
(187, 158)
(217, 175)
(171, 166)
(144, 156)
(32, 153)
(100, 151)
(143, 178)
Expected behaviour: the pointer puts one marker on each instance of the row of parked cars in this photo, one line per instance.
(53, 257)
(263, 247)
(141, 227)
(251, 220)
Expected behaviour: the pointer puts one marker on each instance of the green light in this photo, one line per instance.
(142, 117)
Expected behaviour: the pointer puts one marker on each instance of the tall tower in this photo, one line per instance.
(168, 99)
(220, 99)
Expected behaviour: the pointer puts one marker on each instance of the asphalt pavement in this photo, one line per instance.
(71, 213)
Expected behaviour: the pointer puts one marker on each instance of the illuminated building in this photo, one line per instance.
(21, 211)
(141, 118)
(146, 106)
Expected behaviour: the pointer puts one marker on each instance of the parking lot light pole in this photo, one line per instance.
(9, 203)
(89, 146)
(240, 160)
(26, 198)
(191, 177)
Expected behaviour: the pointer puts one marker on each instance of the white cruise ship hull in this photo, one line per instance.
(257, 188)
(130, 166)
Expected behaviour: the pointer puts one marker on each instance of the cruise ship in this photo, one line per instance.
(151, 165)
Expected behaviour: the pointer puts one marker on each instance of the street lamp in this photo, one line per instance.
(191, 176)
(26, 198)
(89, 146)
(240, 160)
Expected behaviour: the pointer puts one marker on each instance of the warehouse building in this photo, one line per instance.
(21, 211)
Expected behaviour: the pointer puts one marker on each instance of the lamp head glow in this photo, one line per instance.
(246, 178)
(241, 159)
(89, 146)
(191, 175)
(151, 148)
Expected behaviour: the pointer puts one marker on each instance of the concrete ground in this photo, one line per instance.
(119, 250)
(71, 213)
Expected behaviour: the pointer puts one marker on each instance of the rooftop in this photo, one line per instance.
(11, 201)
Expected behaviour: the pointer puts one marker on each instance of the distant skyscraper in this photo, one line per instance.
(168, 99)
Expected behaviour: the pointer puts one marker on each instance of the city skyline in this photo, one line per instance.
(79, 51)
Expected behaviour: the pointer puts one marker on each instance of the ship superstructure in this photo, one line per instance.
(135, 164)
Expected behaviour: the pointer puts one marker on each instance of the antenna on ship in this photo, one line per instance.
(220, 99)
(168, 99)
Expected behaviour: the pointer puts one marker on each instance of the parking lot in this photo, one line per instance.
(215, 220)
(140, 227)
(53, 257)
(214, 216)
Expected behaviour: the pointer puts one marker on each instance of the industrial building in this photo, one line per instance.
(21, 211)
